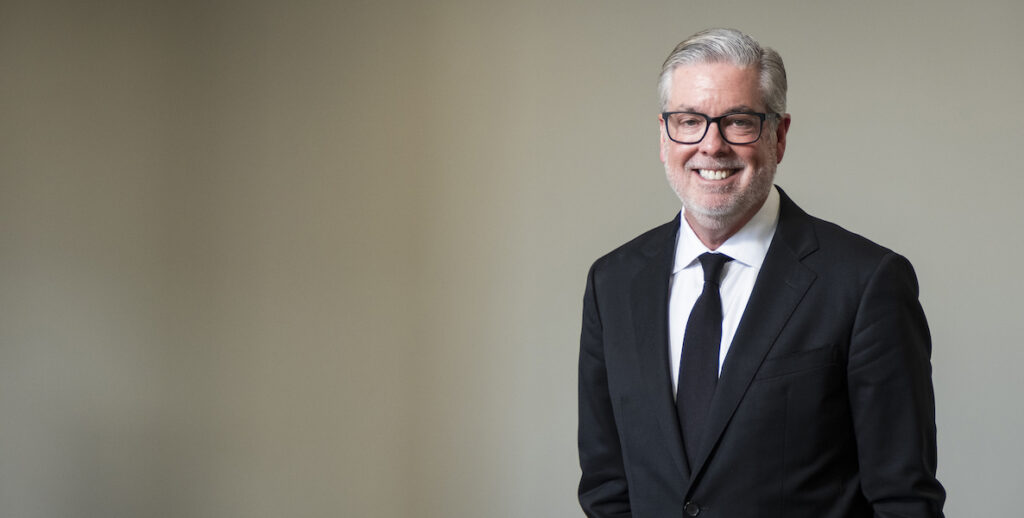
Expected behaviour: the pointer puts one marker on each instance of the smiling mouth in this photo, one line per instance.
(715, 174)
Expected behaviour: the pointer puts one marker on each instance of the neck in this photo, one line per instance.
(714, 232)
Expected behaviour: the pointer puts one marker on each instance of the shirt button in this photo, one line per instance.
(691, 509)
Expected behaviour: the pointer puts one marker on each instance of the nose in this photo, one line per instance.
(713, 143)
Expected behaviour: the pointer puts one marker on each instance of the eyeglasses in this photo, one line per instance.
(735, 128)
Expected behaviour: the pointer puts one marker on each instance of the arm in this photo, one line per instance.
(603, 491)
(891, 397)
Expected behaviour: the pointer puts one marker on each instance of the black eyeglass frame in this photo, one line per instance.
(717, 120)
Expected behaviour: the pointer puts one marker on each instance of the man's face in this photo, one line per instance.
(721, 185)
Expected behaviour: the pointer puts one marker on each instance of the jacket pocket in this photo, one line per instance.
(796, 362)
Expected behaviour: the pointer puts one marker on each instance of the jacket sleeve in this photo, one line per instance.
(891, 396)
(603, 489)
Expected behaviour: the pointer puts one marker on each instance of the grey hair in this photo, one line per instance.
(734, 47)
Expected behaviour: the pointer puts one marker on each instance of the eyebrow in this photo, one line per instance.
(740, 108)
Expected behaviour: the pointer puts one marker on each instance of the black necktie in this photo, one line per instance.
(698, 367)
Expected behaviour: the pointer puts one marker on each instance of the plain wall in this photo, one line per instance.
(263, 259)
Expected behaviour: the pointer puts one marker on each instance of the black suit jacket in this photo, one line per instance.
(824, 407)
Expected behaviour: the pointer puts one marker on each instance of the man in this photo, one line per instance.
(747, 359)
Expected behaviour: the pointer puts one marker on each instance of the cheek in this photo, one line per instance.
(675, 155)
(760, 157)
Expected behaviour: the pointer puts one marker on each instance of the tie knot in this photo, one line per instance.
(712, 265)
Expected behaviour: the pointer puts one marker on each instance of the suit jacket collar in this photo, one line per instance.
(780, 286)
(650, 319)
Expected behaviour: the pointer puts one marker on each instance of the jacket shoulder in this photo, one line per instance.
(640, 249)
(817, 240)
(844, 246)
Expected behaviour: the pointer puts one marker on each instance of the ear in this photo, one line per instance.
(664, 139)
(781, 129)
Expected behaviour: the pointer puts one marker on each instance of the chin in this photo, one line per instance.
(714, 218)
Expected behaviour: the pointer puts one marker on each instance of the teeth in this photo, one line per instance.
(711, 174)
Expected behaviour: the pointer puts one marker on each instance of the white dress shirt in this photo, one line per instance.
(747, 249)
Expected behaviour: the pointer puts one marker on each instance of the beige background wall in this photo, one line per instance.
(310, 259)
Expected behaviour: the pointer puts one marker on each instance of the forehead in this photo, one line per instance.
(714, 87)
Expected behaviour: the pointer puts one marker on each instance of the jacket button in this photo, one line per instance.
(691, 509)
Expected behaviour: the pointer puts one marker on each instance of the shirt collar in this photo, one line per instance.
(748, 246)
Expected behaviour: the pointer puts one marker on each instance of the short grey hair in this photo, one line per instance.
(734, 47)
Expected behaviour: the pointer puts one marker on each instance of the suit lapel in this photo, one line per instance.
(650, 319)
(780, 286)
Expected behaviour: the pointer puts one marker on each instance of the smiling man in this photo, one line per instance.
(747, 359)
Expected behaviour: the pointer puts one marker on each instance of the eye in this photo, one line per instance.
(688, 121)
(742, 122)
